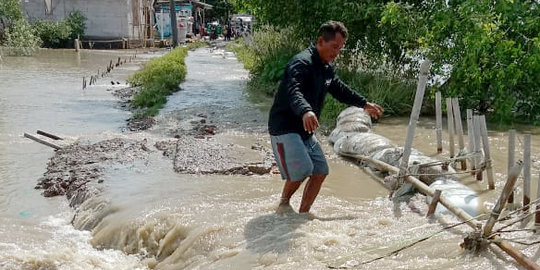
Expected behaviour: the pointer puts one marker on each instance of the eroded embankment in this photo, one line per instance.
(193, 147)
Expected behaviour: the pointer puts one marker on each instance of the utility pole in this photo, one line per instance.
(174, 29)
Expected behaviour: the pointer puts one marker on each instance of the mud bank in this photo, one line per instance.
(134, 123)
(71, 169)
(201, 141)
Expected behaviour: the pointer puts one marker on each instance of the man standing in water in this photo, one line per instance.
(297, 106)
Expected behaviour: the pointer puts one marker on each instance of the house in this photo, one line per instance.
(113, 22)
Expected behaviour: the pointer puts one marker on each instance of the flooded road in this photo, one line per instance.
(148, 216)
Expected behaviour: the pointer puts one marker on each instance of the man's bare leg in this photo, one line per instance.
(313, 186)
(289, 189)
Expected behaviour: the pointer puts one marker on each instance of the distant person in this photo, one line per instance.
(228, 30)
(297, 107)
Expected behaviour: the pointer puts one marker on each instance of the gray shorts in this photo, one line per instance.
(297, 158)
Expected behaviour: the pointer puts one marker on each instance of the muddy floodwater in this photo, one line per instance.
(149, 214)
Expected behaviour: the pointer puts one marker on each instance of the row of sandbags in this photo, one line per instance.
(353, 135)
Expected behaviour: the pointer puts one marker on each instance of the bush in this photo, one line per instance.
(21, 40)
(53, 34)
(159, 78)
(62, 33)
(77, 22)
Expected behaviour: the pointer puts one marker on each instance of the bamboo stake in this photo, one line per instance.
(418, 98)
(470, 134)
(459, 129)
(508, 187)
(438, 117)
(511, 157)
(434, 202)
(487, 154)
(450, 117)
(526, 172)
(54, 137)
(34, 138)
(477, 151)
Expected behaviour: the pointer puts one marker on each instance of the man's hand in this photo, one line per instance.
(310, 122)
(374, 110)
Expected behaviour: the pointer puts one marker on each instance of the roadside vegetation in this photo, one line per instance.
(19, 37)
(486, 53)
(159, 78)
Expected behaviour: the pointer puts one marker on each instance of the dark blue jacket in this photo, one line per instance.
(303, 88)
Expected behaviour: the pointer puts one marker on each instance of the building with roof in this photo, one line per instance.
(115, 22)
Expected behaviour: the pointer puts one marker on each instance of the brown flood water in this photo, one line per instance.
(152, 217)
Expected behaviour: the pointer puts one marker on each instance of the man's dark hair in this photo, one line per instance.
(329, 29)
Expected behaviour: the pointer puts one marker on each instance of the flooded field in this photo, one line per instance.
(148, 216)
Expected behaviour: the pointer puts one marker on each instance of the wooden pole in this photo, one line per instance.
(487, 153)
(418, 98)
(77, 45)
(468, 219)
(477, 151)
(516, 254)
(459, 129)
(526, 172)
(421, 186)
(34, 138)
(508, 187)
(54, 137)
(450, 117)
(511, 157)
(174, 24)
(434, 202)
(438, 117)
(470, 135)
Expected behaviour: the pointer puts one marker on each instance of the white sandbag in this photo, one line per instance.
(362, 143)
(353, 127)
(460, 195)
(337, 133)
(354, 114)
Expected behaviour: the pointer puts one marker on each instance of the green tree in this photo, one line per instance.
(10, 11)
(486, 52)
(20, 39)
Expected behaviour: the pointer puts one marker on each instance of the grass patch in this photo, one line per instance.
(159, 78)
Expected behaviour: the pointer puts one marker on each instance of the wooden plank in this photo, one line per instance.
(477, 151)
(459, 129)
(434, 202)
(526, 172)
(34, 138)
(508, 187)
(46, 134)
(487, 153)
(450, 119)
(470, 134)
(511, 158)
(438, 118)
(415, 114)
